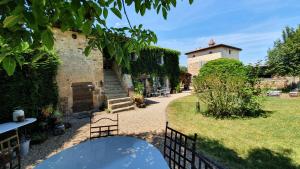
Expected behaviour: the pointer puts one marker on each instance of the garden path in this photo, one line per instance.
(147, 123)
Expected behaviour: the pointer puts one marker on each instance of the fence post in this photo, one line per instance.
(194, 151)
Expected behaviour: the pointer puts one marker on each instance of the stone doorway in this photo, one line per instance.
(82, 96)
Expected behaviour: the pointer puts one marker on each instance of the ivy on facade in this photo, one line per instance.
(157, 62)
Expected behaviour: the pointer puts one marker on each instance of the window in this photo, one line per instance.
(210, 52)
(160, 61)
(133, 57)
(229, 51)
(194, 56)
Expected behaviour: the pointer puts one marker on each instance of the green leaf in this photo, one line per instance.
(24, 46)
(1, 58)
(47, 38)
(9, 65)
(119, 4)
(165, 14)
(158, 8)
(173, 2)
(116, 12)
(105, 13)
(10, 21)
(3, 2)
(137, 4)
(87, 27)
(143, 9)
(191, 1)
(87, 50)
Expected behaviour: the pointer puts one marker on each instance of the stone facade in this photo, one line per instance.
(197, 58)
(75, 67)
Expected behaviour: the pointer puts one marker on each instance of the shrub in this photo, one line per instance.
(226, 88)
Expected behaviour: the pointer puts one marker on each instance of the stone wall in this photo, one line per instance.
(76, 67)
(278, 82)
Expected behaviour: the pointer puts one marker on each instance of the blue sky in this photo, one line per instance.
(252, 25)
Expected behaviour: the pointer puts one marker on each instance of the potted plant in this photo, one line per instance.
(139, 100)
(56, 121)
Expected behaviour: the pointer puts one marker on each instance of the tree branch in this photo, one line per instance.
(126, 13)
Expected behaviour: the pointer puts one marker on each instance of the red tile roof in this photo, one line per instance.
(212, 47)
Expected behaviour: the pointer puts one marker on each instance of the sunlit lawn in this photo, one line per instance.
(271, 142)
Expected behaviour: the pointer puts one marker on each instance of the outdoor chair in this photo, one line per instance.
(180, 152)
(155, 93)
(10, 152)
(98, 130)
(167, 92)
(179, 149)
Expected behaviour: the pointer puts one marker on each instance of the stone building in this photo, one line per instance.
(85, 83)
(197, 58)
(79, 78)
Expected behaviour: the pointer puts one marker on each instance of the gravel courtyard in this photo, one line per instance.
(147, 123)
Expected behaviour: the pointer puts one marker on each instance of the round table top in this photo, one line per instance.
(116, 152)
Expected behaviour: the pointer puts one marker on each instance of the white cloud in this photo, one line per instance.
(253, 44)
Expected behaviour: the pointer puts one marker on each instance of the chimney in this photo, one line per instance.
(211, 43)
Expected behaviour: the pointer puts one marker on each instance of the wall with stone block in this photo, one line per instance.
(76, 67)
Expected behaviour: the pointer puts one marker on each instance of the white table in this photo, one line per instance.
(118, 152)
(5, 127)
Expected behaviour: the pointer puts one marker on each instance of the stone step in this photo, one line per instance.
(118, 100)
(116, 91)
(112, 83)
(122, 109)
(120, 105)
(115, 96)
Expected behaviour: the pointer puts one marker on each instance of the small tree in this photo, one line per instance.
(227, 90)
(284, 57)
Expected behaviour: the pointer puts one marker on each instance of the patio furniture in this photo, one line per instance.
(294, 93)
(166, 92)
(274, 93)
(117, 152)
(180, 152)
(179, 148)
(98, 130)
(10, 143)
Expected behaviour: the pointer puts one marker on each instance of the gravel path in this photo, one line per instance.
(147, 123)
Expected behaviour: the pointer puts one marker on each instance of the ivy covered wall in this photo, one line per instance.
(31, 88)
(150, 62)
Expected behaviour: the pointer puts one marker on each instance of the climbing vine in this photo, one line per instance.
(157, 62)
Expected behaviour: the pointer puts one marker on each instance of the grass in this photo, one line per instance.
(271, 142)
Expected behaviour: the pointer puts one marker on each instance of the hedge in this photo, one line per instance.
(31, 87)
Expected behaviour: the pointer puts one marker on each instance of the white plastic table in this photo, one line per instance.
(5, 127)
(118, 152)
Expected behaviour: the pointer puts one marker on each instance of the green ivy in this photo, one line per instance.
(30, 87)
(148, 63)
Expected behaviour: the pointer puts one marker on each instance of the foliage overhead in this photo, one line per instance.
(227, 88)
(284, 57)
(27, 24)
(31, 88)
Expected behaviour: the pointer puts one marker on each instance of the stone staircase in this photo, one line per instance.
(117, 99)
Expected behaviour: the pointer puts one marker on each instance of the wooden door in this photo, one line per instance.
(82, 96)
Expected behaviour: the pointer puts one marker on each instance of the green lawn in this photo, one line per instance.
(271, 142)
